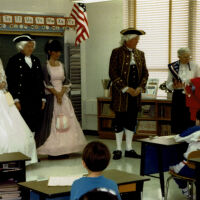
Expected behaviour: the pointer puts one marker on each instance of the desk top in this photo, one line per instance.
(157, 99)
(13, 157)
(195, 160)
(119, 177)
(160, 140)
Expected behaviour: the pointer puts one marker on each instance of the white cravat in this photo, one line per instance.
(28, 61)
(132, 60)
(185, 73)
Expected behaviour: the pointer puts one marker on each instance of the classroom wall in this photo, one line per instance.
(105, 23)
(59, 7)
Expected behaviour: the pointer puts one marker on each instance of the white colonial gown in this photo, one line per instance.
(15, 135)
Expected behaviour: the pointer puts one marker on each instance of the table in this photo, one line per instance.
(127, 183)
(197, 176)
(19, 159)
(162, 147)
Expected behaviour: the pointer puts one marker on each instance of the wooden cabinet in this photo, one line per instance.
(153, 119)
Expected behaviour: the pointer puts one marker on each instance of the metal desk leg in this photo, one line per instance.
(160, 168)
(142, 162)
(197, 174)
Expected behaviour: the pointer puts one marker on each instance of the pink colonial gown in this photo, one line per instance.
(72, 139)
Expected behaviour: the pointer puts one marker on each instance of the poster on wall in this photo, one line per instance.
(35, 23)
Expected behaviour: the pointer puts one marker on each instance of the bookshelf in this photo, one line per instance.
(153, 119)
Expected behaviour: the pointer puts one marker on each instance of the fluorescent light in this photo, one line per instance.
(89, 1)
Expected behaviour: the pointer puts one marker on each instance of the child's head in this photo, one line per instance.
(96, 156)
(198, 118)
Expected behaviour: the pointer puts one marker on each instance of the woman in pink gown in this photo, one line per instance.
(61, 132)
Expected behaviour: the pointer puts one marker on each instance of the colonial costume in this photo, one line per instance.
(15, 136)
(25, 83)
(61, 132)
(127, 70)
(180, 114)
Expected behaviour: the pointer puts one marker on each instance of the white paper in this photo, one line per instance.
(62, 181)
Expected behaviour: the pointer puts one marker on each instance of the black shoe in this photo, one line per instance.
(117, 155)
(132, 154)
(58, 157)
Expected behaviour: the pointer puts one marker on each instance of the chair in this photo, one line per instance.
(190, 181)
(99, 194)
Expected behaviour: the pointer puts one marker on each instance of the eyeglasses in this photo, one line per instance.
(185, 57)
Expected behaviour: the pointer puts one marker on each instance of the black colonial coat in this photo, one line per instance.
(26, 85)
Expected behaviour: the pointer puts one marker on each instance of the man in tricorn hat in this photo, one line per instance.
(25, 82)
(129, 76)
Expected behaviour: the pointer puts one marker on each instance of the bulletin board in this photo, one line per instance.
(35, 23)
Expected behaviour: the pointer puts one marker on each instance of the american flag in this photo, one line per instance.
(80, 16)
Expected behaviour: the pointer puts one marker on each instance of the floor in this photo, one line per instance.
(73, 166)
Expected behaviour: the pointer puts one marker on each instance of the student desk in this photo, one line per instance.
(197, 176)
(157, 154)
(128, 184)
(19, 175)
(17, 158)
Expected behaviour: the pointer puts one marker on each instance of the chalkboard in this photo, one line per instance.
(8, 49)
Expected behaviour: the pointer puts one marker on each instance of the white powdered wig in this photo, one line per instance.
(183, 50)
(20, 45)
(127, 37)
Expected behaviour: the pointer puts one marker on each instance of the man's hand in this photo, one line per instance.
(134, 92)
(18, 105)
(131, 91)
(43, 105)
(138, 91)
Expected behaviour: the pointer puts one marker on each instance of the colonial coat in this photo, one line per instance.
(26, 86)
(119, 70)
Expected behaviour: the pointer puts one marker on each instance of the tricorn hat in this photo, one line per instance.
(128, 31)
(25, 37)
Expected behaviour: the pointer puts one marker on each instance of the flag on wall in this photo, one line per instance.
(80, 16)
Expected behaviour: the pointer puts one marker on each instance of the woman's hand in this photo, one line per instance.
(2, 85)
(59, 97)
(178, 84)
(59, 100)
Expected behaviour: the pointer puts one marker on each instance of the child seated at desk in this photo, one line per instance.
(96, 157)
(192, 137)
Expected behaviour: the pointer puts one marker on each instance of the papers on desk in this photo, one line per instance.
(62, 181)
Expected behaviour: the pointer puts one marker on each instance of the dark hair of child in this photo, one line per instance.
(96, 156)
